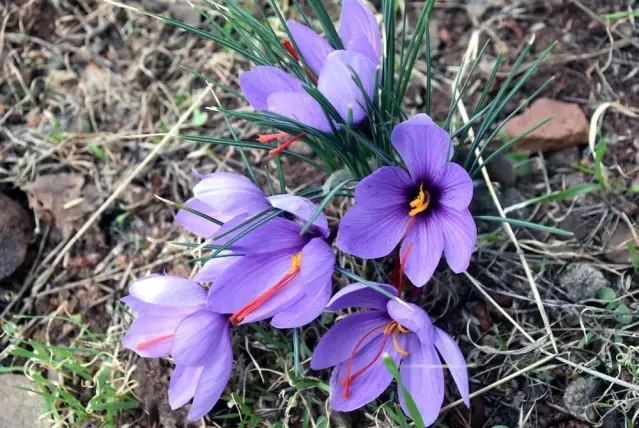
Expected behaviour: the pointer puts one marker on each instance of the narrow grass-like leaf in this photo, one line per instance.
(296, 351)
(180, 206)
(524, 223)
(320, 208)
(408, 399)
(327, 23)
(358, 278)
(568, 193)
(600, 150)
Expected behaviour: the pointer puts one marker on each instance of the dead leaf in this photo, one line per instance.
(62, 198)
(61, 79)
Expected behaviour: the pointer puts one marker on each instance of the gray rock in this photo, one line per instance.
(20, 408)
(15, 232)
(581, 281)
(580, 395)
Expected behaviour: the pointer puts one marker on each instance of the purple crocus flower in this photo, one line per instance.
(355, 345)
(269, 88)
(172, 319)
(426, 208)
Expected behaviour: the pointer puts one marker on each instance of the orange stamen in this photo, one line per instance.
(265, 138)
(144, 345)
(393, 328)
(246, 310)
(286, 144)
(290, 49)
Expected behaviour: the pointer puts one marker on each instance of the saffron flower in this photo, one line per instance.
(282, 275)
(172, 320)
(355, 345)
(426, 208)
(269, 88)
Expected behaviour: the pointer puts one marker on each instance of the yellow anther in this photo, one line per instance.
(390, 327)
(295, 262)
(402, 329)
(420, 203)
(398, 348)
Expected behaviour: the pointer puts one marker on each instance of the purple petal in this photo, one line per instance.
(143, 308)
(197, 337)
(371, 383)
(246, 279)
(152, 336)
(426, 243)
(299, 106)
(196, 224)
(263, 81)
(455, 186)
(460, 234)
(413, 318)
(304, 310)
(276, 234)
(302, 208)
(360, 295)
(423, 146)
(371, 233)
(423, 377)
(359, 30)
(215, 375)
(316, 269)
(386, 187)
(182, 386)
(231, 194)
(313, 47)
(168, 290)
(214, 267)
(452, 355)
(338, 343)
(337, 85)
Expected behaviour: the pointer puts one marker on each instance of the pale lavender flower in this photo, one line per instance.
(426, 208)
(356, 344)
(172, 320)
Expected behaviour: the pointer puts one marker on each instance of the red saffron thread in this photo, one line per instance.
(146, 344)
(402, 266)
(286, 144)
(346, 382)
(265, 138)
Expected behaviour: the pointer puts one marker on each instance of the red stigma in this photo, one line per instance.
(290, 49)
(143, 345)
(285, 145)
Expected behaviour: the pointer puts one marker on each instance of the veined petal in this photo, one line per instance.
(371, 233)
(263, 81)
(196, 224)
(182, 385)
(214, 267)
(152, 336)
(168, 290)
(230, 193)
(337, 85)
(213, 379)
(299, 106)
(143, 308)
(246, 279)
(360, 295)
(426, 243)
(452, 355)
(198, 336)
(460, 234)
(386, 187)
(423, 377)
(276, 234)
(413, 318)
(301, 208)
(306, 309)
(455, 185)
(316, 269)
(359, 30)
(313, 47)
(423, 146)
(338, 343)
(371, 383)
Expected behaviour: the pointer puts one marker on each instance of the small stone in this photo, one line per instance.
(580, 395)
(581, 281)
(15, 231)
(20, 408)
(568, 127)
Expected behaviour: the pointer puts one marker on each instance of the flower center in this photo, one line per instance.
(420, 202)
(392, 328)
(249, 308)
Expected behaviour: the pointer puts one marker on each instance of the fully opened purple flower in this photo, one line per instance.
(426, 208)
(172, 319)
(356, 344)
(269, 88)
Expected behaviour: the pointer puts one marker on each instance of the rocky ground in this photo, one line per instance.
(88, 90)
